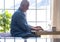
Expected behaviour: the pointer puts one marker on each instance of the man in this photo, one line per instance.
(19, 25)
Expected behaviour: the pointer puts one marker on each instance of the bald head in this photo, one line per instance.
(24, 2)
(24, 5)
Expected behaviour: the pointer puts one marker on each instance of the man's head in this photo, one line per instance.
(24, 5)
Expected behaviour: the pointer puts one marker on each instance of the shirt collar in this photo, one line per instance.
(20, 10)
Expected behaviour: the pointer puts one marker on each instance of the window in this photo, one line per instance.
(38, 13)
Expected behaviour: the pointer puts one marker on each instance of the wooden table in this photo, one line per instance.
(48, 33)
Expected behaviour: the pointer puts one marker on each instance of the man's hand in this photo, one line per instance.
(37, 28)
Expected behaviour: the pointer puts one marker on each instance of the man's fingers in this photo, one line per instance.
(38, 27)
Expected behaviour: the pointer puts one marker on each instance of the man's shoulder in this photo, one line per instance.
(17, 12)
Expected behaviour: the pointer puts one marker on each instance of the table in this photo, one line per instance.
(48, 32)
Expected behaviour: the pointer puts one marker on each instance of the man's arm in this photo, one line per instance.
(36, 28)
(21, 22)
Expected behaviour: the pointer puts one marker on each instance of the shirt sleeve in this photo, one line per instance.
(22, 23)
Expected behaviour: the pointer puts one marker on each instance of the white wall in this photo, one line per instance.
(56, 17)
(56, 14)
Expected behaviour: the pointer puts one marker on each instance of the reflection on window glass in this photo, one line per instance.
(9, 4)
(1, 4)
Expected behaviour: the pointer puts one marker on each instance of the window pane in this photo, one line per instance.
(41, 15)
(49, 39)
(11, 11)
(9, 39)
(48, 14)
(31, 15)
(2, 40)
(19, 40)
(41, 40)
(42, 4)
(1, 11)
(42, 24)
(1, 4)
(32, 4)
(32, 23)
(17, 3)
(9, 4)
(31, 40)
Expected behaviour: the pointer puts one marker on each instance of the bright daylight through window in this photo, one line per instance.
(38, 13)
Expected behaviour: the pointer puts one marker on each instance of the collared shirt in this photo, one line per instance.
(19, 25)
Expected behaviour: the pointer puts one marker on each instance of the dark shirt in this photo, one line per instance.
(19, 25)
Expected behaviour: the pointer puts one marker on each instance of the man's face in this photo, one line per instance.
(26, 7)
